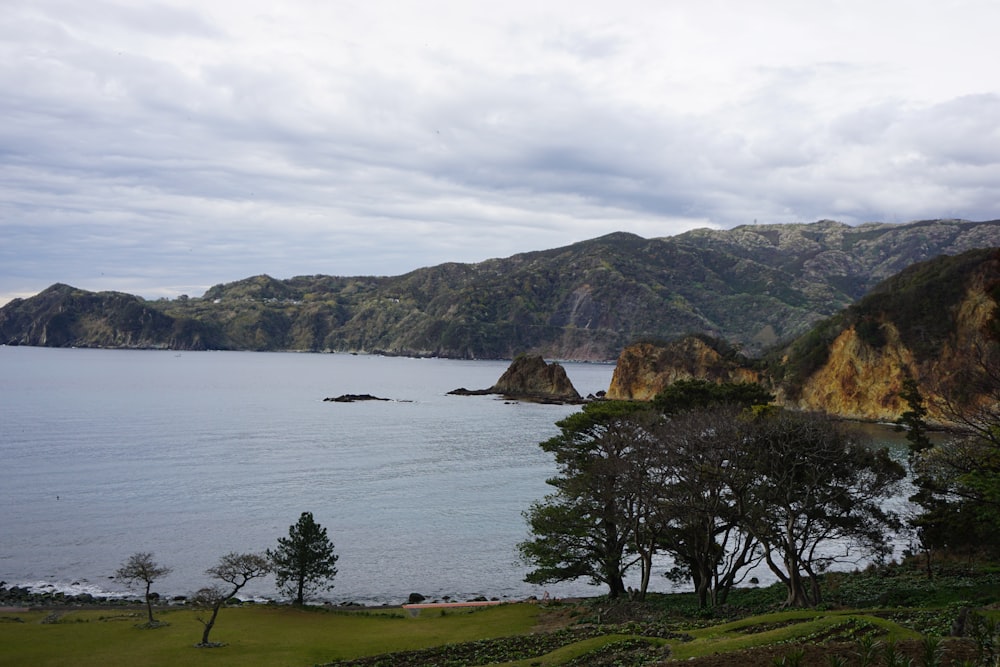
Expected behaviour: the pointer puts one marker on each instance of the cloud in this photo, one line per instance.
(160, 148)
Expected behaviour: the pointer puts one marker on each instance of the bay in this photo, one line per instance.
(192, 455)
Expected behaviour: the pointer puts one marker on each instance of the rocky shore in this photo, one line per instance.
(22, 597)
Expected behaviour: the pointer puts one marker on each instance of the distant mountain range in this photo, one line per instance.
(753, 286)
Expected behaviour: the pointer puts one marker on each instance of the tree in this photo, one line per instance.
(932, 525)
(959, 477)
(806, 483)
(696, 501)
(140, 567)
(686, 395)
(618, 494)
(236, 570)
(586, 528)
(304, 561)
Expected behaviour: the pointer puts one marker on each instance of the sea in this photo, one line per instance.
(193, 455)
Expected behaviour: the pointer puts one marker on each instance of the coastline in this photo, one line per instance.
(22, 599)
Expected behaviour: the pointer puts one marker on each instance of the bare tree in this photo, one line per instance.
(140, 567)
(236, 570)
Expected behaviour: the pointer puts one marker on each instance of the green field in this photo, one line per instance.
(254, 635)
(904, 608)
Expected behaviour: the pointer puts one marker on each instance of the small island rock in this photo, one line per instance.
(529, 378)
(351, 398)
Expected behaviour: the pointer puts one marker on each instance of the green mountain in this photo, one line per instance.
(63, 316)
(752, 285)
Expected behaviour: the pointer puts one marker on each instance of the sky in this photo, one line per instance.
(160, 148)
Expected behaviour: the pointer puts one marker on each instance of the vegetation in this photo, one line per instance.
(919, 303)
(141, 568)
(586, 527)
(234, 569)
(755, 286)
(304, 561)
(958, 478)
(916, 621)
(708, 473)
(716, 485)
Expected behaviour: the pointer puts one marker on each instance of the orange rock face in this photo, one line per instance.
(644, 369)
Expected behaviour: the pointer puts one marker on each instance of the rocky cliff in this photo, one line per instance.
(645, 369)
(529, 378)
(936, 322)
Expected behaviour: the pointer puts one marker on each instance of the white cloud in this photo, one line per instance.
(160, 148)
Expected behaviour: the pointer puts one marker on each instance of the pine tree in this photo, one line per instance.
(304, 561)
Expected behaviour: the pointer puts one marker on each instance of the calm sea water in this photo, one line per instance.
(192, 455)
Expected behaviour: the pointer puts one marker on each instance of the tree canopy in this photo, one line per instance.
(716, 485)
(304, 562)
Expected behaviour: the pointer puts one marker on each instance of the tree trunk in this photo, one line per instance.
(797, 595)
(617, 587)
(612, 558)
(703, 589)
(647, 568)
(300, 590)
(210, 622)
(613, 577)
(149, 603)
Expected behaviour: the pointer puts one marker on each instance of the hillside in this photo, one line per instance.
(63, 316)
(936, 321)
(753, 286)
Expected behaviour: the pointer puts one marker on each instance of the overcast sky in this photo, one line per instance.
(159, 148)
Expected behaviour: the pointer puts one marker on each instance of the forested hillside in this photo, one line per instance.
(752, 286)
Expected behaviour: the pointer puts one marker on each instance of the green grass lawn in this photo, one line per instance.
(254, 635)
(297, 637)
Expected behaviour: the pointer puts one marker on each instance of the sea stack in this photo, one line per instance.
(529, 377)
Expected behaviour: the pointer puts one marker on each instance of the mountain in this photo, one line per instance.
(63, 316)
(753, 286)
(937, 322)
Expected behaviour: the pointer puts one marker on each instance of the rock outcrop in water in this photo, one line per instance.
(530, 378)
(353, 398)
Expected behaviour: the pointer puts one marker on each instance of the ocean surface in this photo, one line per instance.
(192, 455)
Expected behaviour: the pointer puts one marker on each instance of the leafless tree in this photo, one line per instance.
(236, 570)
(141, 568)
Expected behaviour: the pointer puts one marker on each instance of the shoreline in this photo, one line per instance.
(23, 599)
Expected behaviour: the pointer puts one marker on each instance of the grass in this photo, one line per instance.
(300, 637)
(785, 627)
(254, 635)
